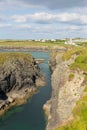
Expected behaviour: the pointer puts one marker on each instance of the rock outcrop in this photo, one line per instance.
(20, 76)
(65, 92)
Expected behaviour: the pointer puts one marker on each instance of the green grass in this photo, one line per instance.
(5, 56)
(85, 90)
(71, 76)
(81, 57)
(80, 117)
(82, 43)
(72, 51)
(27, 43)
(80, 62)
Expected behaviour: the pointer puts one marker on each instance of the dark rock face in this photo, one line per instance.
(2, 95)
(16, 74)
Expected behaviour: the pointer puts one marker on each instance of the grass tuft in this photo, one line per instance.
(71, 76)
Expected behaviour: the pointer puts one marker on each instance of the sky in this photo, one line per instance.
(43, 19)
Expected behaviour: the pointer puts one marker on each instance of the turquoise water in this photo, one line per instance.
(30, 116)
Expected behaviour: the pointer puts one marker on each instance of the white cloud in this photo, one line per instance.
(44, 17)
(19, 18)
(83, 19)
(15, 26)
(34, 17)
(21, 26)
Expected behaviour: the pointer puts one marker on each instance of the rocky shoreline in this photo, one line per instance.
(33, 48)
(20, 77)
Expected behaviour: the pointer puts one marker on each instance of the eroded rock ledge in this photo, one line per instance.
(20, 77)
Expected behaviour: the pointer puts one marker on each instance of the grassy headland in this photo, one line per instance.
(6, 56)
(80, 60)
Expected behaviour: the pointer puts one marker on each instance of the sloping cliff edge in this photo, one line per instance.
(20, 77)
(67, 88)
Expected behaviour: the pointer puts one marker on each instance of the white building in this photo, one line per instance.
(43, 40)
(53, 40)
(70, 42)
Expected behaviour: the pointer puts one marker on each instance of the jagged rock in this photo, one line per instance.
(17, 73)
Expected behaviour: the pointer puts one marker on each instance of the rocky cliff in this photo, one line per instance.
(66, 90)
(20, 76)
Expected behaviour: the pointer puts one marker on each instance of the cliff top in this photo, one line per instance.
(5, 56)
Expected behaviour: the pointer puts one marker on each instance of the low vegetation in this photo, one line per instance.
(5, 56)
(27, 43)
(71, 76)
(85, 90)
(73, 51)
(81, 57)
(80, 62)
(82, 43)
(80, 117)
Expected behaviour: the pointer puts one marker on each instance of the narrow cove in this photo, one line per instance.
(30, 116)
